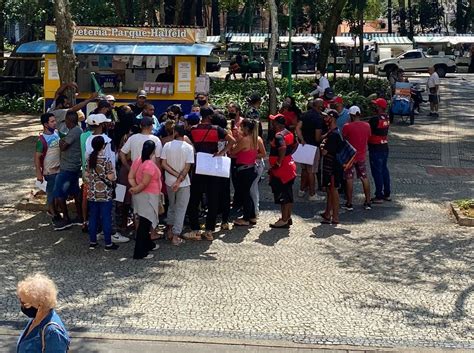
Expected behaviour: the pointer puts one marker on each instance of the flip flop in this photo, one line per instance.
(326, 218)
(179, 243)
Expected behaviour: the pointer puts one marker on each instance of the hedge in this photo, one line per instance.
(223, 92)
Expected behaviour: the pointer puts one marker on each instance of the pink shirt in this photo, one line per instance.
(148, 167)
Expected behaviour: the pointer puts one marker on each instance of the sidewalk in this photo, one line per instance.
(86, 343)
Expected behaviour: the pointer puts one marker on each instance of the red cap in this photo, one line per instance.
(279, 118)
(380, 102)
(338, 100)
(273, 117)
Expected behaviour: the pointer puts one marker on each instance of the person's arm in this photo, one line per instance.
(230, 143)
(63, 144)
(140, 187)
(110, 171)
(131, 177)
(55, 340)
(239, 146)
(181, 176)
(318, 135)
(261, 151)
(81, 105)
(39, 171)
(299, 133)
(64, 87)
(168, 168)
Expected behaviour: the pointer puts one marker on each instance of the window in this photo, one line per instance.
(412, 55)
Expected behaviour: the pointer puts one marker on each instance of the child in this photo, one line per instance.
(100, 175)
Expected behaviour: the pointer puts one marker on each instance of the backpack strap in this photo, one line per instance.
(43, 339)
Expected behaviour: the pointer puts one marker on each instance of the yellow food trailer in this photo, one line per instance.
(168, 62)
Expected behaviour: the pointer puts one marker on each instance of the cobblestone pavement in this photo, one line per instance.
(399, 275)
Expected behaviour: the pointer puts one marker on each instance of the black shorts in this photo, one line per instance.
(331, 179)
(282, 193)
(433, 98)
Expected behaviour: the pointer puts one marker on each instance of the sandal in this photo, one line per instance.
(178, 242)
(325, 218)
(253, 221)
(280, 224)
(193, 235)
(240, 222)
(207, 235)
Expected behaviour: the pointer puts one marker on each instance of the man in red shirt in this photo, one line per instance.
(357, 133)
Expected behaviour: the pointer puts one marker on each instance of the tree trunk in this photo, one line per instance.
(178, 18)
(162, 13)
(199, 19)
(188, 18)
(271, 55)
(403, 16)
(330, 29)
(65, 56)
(119, 11)
(216, 23)
(2, 31)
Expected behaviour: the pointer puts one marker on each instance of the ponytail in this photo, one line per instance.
(97, 144)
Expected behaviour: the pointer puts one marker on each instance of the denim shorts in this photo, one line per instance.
(50, 181)
(67, 184)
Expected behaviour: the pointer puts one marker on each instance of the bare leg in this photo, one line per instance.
(349, 190)
(334, 203)
(304, 180)
(311, 183)
(327, 212)
(366, 186)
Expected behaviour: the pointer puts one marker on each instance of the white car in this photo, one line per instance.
(417, 61)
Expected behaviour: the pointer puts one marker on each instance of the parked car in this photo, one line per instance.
(417, 61)
(213, 63)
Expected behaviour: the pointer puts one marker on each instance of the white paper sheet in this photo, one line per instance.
(138, 60)
(305, 154)
(163, 62)
(207, 164)
(120, 191)
(41, 185)
(150, 62)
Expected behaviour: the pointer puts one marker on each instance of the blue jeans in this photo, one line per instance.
(100, 211)
(379, 169)
(50, 180)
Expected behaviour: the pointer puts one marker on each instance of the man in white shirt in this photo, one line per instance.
(322, 86)
(177, 157)
(134, 144)
(433, 91)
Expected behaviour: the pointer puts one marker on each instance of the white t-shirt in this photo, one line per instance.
(109, 154)
(323, 84)
(135, 143)
(433, 81)
(177, 154)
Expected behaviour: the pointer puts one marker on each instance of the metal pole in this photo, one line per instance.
(290, 50)
(389, 16)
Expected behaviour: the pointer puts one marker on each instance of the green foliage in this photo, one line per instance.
(21, 103)
(465, 204)
(223, 92)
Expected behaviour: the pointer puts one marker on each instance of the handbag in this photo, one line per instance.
(346, 155)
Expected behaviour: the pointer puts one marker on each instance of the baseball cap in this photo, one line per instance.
(146, 121)
(141, 93)
(278, 118)
(192, 118)
(332, 113)
(97, 119)
(329, 93)
(254, 97)
(380, 102)
(354, 110)
(109, 97)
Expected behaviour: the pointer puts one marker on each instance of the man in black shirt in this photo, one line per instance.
(138, 106)
(309, 131)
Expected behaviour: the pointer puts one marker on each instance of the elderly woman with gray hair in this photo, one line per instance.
(45, 332)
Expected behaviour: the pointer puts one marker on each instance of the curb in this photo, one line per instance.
(462, 220)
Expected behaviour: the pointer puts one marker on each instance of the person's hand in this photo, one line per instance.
(111, 176)
(175, 186)
(219, 154)
(40, 178)
(93, 96)
(302, 142)
(134, 190)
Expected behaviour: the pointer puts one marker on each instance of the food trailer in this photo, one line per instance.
(168, 62)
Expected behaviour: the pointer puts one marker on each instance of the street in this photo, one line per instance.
(399, 275)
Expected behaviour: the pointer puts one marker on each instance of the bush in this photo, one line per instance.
(21, 103)
(223, 92)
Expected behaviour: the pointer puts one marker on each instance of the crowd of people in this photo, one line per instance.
(153, 159)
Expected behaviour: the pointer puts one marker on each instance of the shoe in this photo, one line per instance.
(348, 206)
(207, 235)
(111, 247)
(119, 238)
(192, 235)
(367, 206)
(56, 218)
(376, 200)
(290, 221)
(85, 227)
(312, 198)
(301, 193)
(225, 226)
(387, 198)
(240, 222)
(148, 257)
(280, 224)
(77, 221)
(62, 224)
(93, 246)
(155, 248)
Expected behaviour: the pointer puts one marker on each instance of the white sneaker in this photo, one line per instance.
(119, 238)
(148, 257)
(313, 197)
(301, 193)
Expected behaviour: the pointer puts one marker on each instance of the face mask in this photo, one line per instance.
(51, 129)
(30, 312)
(232, 115)
(202, 102)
